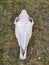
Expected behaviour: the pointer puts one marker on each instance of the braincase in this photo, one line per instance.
(23, 14)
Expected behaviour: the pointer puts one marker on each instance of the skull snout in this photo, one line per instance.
(23, 53)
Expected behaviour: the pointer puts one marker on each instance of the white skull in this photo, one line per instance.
(23, 32)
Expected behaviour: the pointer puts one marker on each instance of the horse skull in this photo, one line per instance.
(23, 32)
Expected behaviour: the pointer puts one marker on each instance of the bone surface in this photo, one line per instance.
(23, 31)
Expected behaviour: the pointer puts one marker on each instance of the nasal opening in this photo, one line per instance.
(23, 52)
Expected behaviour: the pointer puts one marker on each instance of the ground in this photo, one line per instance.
(38, 48)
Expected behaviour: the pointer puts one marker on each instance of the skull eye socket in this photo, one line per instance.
(30, 19)
(17, 19)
